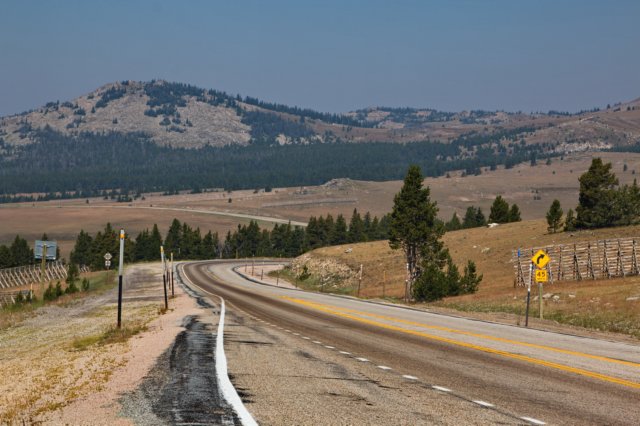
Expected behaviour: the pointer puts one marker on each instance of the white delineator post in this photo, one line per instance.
(120, 269)
(164, 277)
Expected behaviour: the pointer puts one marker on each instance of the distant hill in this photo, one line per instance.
(159, 136)
(180, 115)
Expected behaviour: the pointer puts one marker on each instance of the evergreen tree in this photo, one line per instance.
(499, 211)
(570, 221)
(554, 217)
(470, 280)
(21, 253)
(173, 240)
(480, 219)
(154, 243)
(514, 213)
(367, 227)
(356, 231)
(414, 226)
(82, 252)
(339, 235)
(597, 195)
(6, 259)
(454, 224)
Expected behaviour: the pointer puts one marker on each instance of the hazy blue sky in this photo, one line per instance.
(330, 55)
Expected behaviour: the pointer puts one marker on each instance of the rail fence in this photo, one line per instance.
(593, 260)
(11, 278)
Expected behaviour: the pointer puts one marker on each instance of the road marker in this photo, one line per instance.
(442, 389)
(329, 347)
(484, 403)
(534, 421)
(406, 376)
(120, 270)
(345, 353)
(384, 367)
(306, 338)
(317, 343)
(362, 359)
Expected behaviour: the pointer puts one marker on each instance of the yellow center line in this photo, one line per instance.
(483, 336)
(506, 354)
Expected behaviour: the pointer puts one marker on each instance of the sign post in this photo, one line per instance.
(164, 278)
(540, 259)
(120, 269)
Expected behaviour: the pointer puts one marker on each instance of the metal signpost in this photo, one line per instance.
(540, 260)
(120, 269)
(45, 250)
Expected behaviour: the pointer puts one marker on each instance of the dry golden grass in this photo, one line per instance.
(597, 304)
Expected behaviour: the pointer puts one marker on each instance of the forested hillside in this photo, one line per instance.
(161, 136)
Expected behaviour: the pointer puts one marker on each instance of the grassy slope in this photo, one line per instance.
(597, 304)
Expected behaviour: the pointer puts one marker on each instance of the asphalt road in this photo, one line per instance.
(453, 370)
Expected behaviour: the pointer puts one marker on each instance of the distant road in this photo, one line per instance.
(178, 209)
(454, 370)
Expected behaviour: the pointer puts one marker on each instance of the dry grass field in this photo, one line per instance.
(600, 304)
(62, 220)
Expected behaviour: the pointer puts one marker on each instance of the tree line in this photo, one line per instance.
(187, 243)
(89, 163)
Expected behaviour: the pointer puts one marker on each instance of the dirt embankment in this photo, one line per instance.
(61, 365)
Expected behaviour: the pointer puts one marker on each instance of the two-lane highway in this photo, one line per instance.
(514, 374)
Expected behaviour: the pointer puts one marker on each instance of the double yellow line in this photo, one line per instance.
(357, 316)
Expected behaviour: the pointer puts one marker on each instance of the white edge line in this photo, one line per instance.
(384, 367)
(441, 388)
(406, 376)
(484, 403)
(534, 421)
(229, 392)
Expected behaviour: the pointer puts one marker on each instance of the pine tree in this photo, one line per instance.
(454, 224)
(339, 235)
(499, 211)
(597, 195)
(81, 253)
(414, 226)
(173, 241)
(6, 259)
(554, 217)
(514, 213)
(356, 231)
(570, 221)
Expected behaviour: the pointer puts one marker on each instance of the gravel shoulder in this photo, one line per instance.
(62, 384)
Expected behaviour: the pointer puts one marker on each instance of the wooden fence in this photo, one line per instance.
(30, 274)
(593, 260)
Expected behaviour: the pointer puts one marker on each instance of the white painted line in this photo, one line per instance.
(532, 420)
(288, 331)
(229, 393)
(317, 343)
(362, 359)
(442, 389)
(484, 403)
(306, 338)
(406, 376)
(329, 347)
(345, 353)
(384, 367)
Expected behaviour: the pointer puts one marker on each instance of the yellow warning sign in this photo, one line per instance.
(540, 259)
(541, 276)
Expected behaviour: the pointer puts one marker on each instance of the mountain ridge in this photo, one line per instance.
(181, 115)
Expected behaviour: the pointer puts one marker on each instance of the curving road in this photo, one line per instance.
(416, 367)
